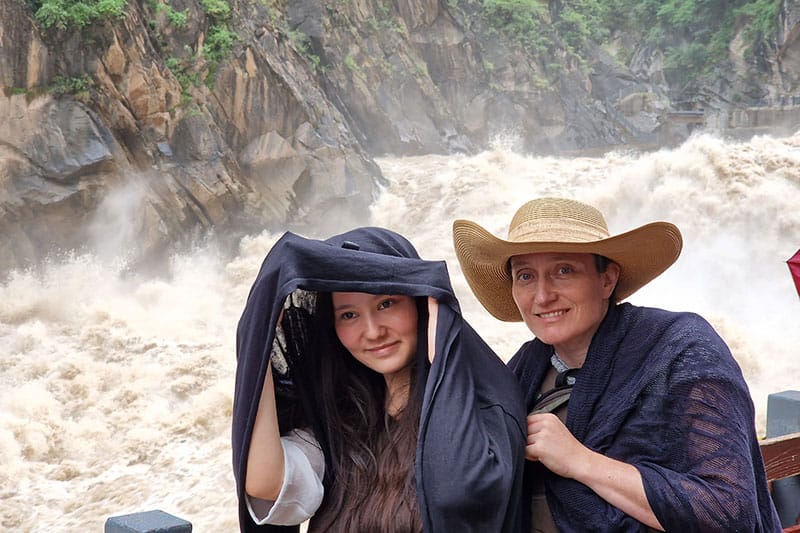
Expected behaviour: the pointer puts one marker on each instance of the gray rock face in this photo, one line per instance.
(278, 136)
(142, 157)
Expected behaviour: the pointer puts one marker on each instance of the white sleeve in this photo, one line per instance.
(302, 491)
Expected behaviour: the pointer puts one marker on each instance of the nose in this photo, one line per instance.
(543, 292)
(373, 328)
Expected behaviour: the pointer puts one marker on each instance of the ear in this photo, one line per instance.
(610, 278)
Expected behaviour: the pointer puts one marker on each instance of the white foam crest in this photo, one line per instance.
(118, 220)
(56, 293)
(117, 392)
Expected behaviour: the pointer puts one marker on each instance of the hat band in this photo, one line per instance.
(557, 230)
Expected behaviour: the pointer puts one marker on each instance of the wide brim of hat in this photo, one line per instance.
(642, 253)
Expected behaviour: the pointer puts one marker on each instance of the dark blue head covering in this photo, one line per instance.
(470, 449)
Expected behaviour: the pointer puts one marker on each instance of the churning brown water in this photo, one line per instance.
(116, 390)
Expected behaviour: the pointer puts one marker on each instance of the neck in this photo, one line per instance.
(572, 360)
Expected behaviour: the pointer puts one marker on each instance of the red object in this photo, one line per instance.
(794, 268)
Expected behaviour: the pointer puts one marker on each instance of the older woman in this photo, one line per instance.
(639, 418)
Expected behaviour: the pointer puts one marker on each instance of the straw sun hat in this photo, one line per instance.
(559, 225)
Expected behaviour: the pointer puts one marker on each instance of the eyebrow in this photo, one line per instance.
(560, 257)
(524, 262)
(376, 297)
(353, 306)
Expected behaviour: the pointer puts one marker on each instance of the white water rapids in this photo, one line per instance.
(116, 390)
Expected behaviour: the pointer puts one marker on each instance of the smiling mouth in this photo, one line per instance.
(552, 314)
(382, 347)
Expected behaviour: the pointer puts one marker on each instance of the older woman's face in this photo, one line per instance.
(378, 330)
(562, 298)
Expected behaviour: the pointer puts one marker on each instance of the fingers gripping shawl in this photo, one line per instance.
(471, 441)
(661, 391)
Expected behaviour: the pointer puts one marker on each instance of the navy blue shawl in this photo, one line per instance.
(660, 390)
(470, 450)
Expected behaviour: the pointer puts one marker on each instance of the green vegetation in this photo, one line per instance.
(186, 78)
(355, 68)
(384, 21)
(179, 19)
(694, 34)
(220, 39)
(79, 85)
(216, 9)
(524, 21)
(351, 64)
(582, 24)
(763, 15)
(72, 15)
(302, 44)
(69, 14)
(218, 44)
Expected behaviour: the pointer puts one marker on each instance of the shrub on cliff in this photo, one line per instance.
(66, 14)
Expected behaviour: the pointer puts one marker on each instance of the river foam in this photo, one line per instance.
(116, 389)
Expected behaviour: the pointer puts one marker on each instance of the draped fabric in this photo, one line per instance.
(470, 450)
(660, 390)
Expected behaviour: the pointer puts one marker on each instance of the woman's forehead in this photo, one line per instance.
(548, 257)
(341, 299)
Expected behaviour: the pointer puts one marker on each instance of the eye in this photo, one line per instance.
(523, 276)
(564, 270)
(347, 315)
(385, 304)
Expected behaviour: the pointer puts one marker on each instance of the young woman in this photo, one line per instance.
(363, 400)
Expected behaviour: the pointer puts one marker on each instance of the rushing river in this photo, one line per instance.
(116, 390)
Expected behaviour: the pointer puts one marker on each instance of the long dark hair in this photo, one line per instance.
(370, 457)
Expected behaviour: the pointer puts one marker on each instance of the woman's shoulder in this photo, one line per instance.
(526, 355)
(656, 317)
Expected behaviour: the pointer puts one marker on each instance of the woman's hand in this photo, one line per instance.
(433, 313)
(620, 484)
(552, 444)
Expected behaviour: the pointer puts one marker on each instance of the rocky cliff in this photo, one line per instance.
(131, 135)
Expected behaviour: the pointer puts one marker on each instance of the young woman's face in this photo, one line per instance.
(562, 298)
(378, 330)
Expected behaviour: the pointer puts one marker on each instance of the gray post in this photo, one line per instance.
(147, 522)
(783, 413)
(783, 417)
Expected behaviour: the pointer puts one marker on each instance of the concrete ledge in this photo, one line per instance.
(147, 522)
(783, 413)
